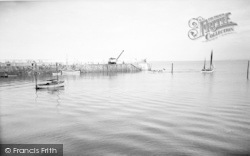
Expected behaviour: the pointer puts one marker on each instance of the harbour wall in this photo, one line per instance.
(90, 68)
(84, 68)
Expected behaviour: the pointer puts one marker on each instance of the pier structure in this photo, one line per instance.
(93, 68)
(27, 69)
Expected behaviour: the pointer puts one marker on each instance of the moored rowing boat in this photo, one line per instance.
(50, 85)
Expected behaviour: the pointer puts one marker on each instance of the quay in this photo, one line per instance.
(47, 69)
(93, 68)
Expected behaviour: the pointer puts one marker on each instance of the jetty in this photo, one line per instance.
(47, 69)
(94, 68)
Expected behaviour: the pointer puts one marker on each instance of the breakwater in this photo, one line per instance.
(92, 68)
(25, 70)
(84, 68)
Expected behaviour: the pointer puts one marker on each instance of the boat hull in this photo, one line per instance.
(50, 85)
(7, 76)
(211, 69)
(55, 74)
(73, 72)
(207, 71)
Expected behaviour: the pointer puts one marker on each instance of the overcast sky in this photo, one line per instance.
(95, 30)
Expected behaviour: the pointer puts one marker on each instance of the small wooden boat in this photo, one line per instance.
(6, 75)
(49, 84)
(57, 74)
(207, 70)
(211, 68)
(71, 72)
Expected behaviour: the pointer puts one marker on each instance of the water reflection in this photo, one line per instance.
(100, 75)
(70, 77)
(145, 113)
(209, 81)
(55, 92)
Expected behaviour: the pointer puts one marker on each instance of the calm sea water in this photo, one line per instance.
(145, 113)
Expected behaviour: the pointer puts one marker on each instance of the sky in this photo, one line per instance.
(95, 30)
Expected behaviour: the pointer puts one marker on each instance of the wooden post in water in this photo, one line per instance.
(247, 69)
(172, 70)
(56, 72)
(35, 72)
